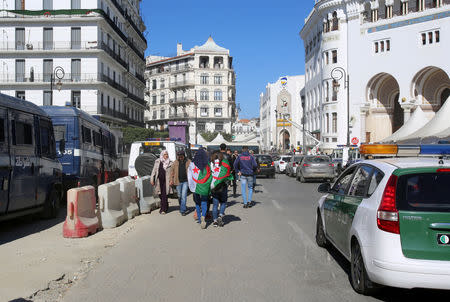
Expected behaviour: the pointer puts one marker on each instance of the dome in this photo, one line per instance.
(210, 46)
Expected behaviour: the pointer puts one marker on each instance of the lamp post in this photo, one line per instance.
(337, 74)
(302, 97)
(58, 73)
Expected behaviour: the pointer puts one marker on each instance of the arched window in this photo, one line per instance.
(335, 22)
(204, 95)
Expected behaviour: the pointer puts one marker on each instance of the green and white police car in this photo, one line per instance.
(391, 219)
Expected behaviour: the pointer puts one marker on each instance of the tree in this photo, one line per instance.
(131, 134)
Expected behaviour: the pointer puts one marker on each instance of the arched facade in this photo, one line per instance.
(430, 88)
(285, 139)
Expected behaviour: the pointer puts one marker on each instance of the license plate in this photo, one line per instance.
(263, 165)
(443, 239)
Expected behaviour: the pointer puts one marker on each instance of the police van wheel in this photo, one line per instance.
(358, 274)
(51, 206)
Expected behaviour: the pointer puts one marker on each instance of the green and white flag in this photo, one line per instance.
(221, 173)
(199, 180)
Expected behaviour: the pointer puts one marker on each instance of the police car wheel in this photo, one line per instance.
(321, 239)
(302, 179)
(358, 274)
(51, 206)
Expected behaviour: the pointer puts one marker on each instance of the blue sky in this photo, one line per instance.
(263, 37)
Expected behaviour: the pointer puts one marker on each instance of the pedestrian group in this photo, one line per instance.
(208, 178)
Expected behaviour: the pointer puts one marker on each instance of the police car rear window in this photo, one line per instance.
(428, 192)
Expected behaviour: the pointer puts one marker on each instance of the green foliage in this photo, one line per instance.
(227, 136)
(210, 136)
(131, 134)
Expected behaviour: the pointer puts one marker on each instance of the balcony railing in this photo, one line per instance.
(40, 45)
(178, 115)
(136, 98)
(111, 82)
(126, 16)
(140, 78)
(121, 115)
(180, 100)
(45, 77)
(172, 70)
(180, 84)
(113, 55)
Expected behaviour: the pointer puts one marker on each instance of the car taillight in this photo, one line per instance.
(281, 162)
(271, 164)
(306, 165)
(331, 165)
(443, 170)
(387, 215)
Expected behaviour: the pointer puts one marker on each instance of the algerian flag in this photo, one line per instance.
(221, 172)
(199, 180)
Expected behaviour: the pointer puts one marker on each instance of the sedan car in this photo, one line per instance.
(280, 163)
(315, 167)
(291, 166)
(391, 219)
(265, 165)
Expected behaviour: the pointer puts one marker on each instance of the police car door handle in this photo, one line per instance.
(440, 226)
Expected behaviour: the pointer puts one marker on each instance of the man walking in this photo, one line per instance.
(233, 159)
(244, 165)
(178, 178)
(221, 180)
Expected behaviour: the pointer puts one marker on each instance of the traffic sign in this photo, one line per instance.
(355, 141)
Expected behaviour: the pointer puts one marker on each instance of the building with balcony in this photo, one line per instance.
(280, 102)
(197, 86)
(389, 56)
(86, 53)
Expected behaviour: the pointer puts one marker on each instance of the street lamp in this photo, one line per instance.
(59, 74)
(337, 74)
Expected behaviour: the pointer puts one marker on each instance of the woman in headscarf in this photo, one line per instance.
(199, 179)
(160, 179)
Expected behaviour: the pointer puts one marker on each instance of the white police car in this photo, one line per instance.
(391, 219)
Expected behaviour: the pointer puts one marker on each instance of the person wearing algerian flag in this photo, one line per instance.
(220, 164)
(199, 179)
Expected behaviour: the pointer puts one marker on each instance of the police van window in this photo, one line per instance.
(360, 182)
(97, 139)
(22, 133)
(341, 185)
(2, 130)
(86, 135)
(60, 132)
(48, 148)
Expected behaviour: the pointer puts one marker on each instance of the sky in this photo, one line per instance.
(262, 36)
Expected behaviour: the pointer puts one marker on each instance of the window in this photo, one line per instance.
(76, 70)
(76, 99)
(389, 10)
(48, 148)
(424, 39)
(2, 130)
(75, 4)
(388, 45)
(376, 47)
(87, 138)
(20, 70)
(375, 180)
(162, 114)
(20, 38)
(360, 182)
(20, 95)
(201, 126)
(334, 122)
(218, 95)
(341, 185)
(204, 111)
(162, 83)
(420, 5)
(204, 95)
(97, 139)
(374, 15)
(60, 132)
(204, 79)
(48, 70)
(436, 36)
(75, 36)
(162, 98)
(218, 80)
(217, 111)
(328, 122)
(22, 133)
(154, 99)
(20, 5)
(154, 84)
(335, 22)
(430, 37)
(334, 140)
(327, 92)
(404, 8)
(218, 127)
(48, 38)
(334, 56)
(154, 115)
(327, 58)
(382, 46)
(334, 96)
(48, 4)
(47, 98)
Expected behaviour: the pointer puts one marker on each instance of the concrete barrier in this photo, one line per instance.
(147, 202)
(81, 219)
(112, 211)
(129, 196)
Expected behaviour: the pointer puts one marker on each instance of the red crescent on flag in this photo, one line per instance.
(228, 171)
(205, 179)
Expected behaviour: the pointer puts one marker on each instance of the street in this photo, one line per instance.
(266, 253)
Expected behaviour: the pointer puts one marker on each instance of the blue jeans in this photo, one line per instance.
(182, 190)
(201, 205)
(219, 197)
(247, 182)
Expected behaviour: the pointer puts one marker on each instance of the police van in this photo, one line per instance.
(30, 173)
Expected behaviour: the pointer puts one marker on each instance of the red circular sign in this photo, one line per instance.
(355, 141)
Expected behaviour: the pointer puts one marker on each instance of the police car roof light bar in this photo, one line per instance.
(405, 150)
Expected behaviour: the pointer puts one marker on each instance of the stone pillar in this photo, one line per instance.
(406, 111)
(364, 110)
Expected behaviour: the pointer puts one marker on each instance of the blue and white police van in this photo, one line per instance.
(90, 156)
(30, 173)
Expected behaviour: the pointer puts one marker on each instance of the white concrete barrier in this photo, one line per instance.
(147, 202)
(129, 196)
(112, 211)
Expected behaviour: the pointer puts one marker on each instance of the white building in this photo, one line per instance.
(395, 54)
(246, 126)
(93, 51)
(284, 97)
(197, 86)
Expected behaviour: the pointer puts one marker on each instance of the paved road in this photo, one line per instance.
(266, 253)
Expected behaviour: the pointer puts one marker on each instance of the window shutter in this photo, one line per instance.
(76, 38)
(20, 38)
(20, 70)
(48, 38)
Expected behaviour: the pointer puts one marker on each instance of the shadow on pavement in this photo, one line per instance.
(230, 218)
(21, 227)
(21, 300)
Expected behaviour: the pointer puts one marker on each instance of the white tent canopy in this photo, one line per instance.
(218, 140)
(439, 123)
(417, 120)
(200, 139)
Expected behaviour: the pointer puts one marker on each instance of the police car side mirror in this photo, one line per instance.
(62, 146)
(324, 188)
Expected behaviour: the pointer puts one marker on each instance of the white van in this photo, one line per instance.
(154, 147)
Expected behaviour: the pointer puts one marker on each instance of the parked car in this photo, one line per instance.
(266, 165)
(315, 167)
(281, 162)
(291, 166)
(391, 219)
